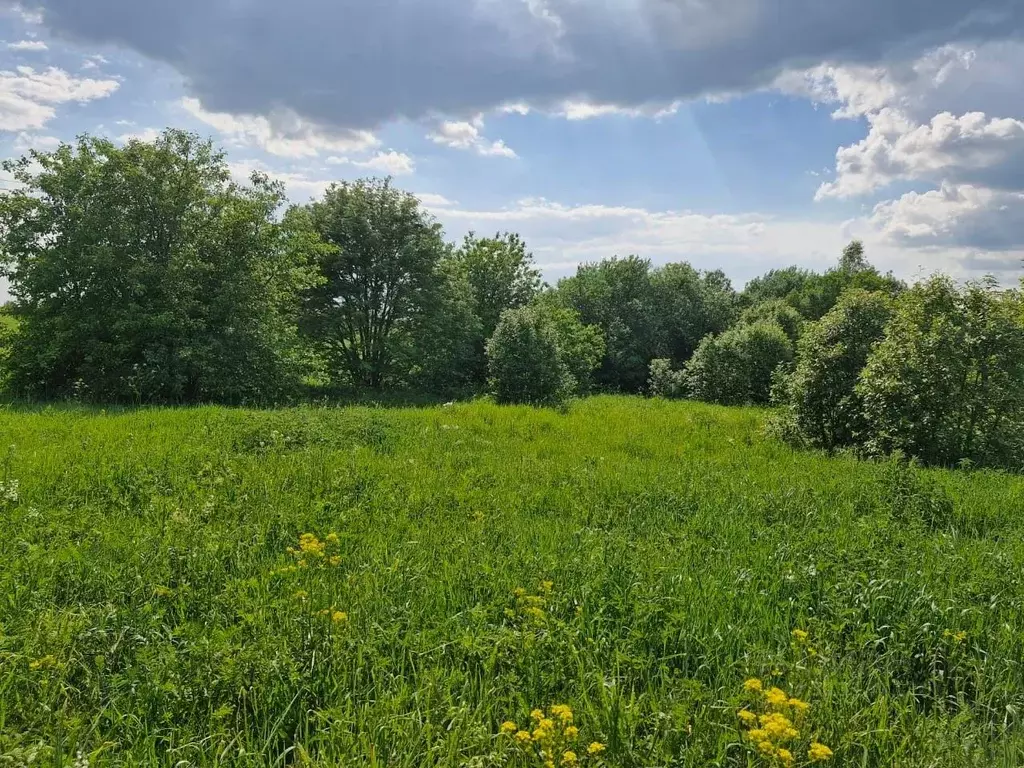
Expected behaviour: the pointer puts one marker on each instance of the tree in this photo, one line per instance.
(142, 273)
(736, 368)
(778, 312)
(379, 280)
(665, 380)
(501, 274)
(946, 383)
(822, 400)
(645, 313)
(443, 348)
(689, 305)
(540, 353)
(813, 294)
(615, 295)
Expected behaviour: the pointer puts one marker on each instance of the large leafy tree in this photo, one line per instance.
(143, 273)
(690, 305)
(501, 273)
(381, 279)
(823, 404)
(946, 382)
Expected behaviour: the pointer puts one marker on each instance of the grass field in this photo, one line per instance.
(635, 560)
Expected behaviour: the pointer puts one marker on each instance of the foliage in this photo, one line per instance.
(444, 340)
(946, 383)
(736, 367)
(525, 360)
(141, 273)
(646, 313)
(581, 346)
(778, 312)
(665, 380)
(822, 400)
(380, 278)
(813, 294)
(501, 273)
(688, 306)
(154, 615)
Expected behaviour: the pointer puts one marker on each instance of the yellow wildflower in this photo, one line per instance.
(799, 706)
(753, 684)
(595, 748)
(785, 756)
(334, 560)
(747, 716)
(537, 714)
(43, 663)
(547, 724)
(519, 592)
(776, 697)
(523, 737)
(572, 732)
(562, 712)
(509, 727)
(819, 753)
(758, 734)
(332, 538)
(547, 586)
(339, 617)
(569, 757)
(800, 636)
(766, 747)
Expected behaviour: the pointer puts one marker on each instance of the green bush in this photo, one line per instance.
(778, 312)
(736, 367)
(821, 395)
(666, 381)
(946, 384)
(541, 355)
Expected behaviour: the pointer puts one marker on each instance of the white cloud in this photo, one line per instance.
(432, 200)
(26, 141)
(955, 214)
(94, 61)
(947, 149)
(466, 135)
(744, 245)
(147, 135)
(392, 163)
(27, 45)
(584, 110)
(283, 133)
(28, 98)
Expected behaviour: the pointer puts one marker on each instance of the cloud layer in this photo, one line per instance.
(356, 64)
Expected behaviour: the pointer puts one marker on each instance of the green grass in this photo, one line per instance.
(145, 618)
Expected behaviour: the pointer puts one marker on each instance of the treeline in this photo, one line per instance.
(144, 274)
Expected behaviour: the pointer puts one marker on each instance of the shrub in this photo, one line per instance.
(947, 382)
(666, 381)
(824, 405)
(778, 312)
(540, 354)
(737, 367)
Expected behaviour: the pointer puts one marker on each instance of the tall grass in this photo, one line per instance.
(156, 610)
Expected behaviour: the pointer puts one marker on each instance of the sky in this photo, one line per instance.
(744, 135)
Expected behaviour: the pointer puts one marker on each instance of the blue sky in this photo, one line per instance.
(740, 134)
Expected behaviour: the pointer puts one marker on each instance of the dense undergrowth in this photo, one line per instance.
(634, 560)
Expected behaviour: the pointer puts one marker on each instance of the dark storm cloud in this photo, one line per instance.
(359, 64)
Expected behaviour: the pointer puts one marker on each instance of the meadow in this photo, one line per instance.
(403, 587)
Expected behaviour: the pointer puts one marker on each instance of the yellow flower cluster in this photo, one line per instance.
(312, 550)
(46, 662)
(802, 642)
(772, 732)
(552, 738)
(338, 617)
(954, 637)
(531, 607)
